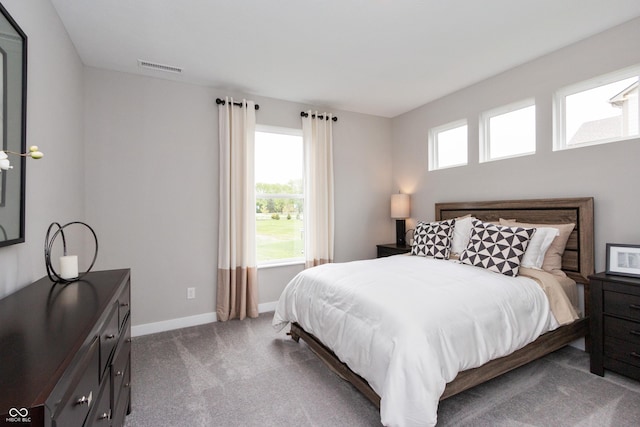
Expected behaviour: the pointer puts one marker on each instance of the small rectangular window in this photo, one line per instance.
(279, 195)
(597, 111)
(508, 131)
(448, 145)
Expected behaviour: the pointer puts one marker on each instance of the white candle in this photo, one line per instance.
(69, 266)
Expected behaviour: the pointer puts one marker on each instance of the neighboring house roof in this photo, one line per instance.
(622, 97)
(595, 130)
(610, 127)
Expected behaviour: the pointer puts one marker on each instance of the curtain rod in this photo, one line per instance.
(321, 117)
(237, 104)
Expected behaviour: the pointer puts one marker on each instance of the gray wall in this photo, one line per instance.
(609, 172)
(55, 186)
(152, 187)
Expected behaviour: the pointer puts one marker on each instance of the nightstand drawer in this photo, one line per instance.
(622, 350)
(622, 329)
(392, 249)
(615, 324)
(623, 305)
(384, 252)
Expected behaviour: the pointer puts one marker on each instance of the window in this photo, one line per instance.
(279, 195)
(597, 111)
(508, 131)
(448, 145)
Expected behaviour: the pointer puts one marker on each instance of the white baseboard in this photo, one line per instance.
(267, 306)
(169, 325)
(185, 322)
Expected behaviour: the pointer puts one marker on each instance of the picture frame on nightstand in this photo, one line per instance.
(623, 259)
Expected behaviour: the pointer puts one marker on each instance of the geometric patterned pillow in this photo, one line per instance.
(496, 247)
(433, 239)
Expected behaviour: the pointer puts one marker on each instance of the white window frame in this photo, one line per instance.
(559, 107)
(434, 145)
(283, 261)
(485, 131)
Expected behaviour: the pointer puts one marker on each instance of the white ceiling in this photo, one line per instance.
(381, 57)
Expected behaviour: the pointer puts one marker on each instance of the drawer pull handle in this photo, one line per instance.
(110, 336)
(124, 304)
(118, 373)
(103, 416)
(126, 385)
(85, 399)
(634, 306)
(634, 354)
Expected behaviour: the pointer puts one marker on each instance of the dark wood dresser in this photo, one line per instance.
(615, 324)
(392, 249)
(65, 352)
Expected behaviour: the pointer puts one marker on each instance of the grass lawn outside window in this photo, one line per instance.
(279, 239)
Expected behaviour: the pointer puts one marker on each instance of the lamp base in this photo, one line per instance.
(400, 232)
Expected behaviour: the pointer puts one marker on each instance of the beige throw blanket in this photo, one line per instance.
(562, 307)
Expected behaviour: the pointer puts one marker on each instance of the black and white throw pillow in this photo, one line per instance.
(497, 248)
(433, 239)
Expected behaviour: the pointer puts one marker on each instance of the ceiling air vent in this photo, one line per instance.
(158, 67)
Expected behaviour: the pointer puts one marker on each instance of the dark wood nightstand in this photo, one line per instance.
(615, 324)
(389, 249)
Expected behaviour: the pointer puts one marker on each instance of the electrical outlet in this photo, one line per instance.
(191, 293)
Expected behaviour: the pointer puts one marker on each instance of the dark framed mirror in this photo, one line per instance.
(13, 94)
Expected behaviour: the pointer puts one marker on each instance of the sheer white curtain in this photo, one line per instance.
(318, 180)
(237, 293)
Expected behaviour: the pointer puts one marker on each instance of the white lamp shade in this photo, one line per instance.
(400, 206)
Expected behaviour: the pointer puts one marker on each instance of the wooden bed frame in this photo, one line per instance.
(577, 263)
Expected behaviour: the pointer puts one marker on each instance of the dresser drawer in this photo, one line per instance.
(623, 351)
(124, 300)
(120, 363)
(623, 305)
(108, 339)
(83, 391)
(623, 329)
(100, 415)
(121, 407)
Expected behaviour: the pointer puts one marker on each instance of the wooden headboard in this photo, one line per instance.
(578, 258)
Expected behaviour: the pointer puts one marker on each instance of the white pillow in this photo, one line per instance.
(540, 242)
(461, 233)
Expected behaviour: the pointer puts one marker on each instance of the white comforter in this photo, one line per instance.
(409, 324)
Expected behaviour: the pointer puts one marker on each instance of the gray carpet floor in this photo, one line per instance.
(243, 373)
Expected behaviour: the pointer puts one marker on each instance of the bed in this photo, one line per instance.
(398, 382)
